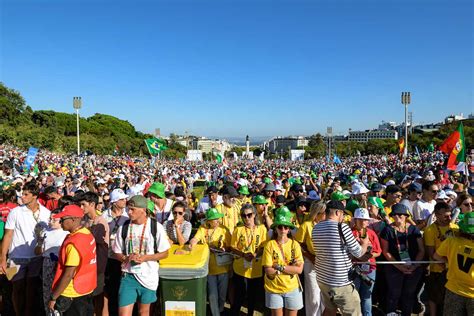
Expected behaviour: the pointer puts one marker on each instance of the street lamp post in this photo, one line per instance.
(406, 99)
(77, 104)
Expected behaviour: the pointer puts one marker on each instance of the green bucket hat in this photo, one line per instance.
(259, 199)
(244, 190)
(278, 174)
(213, 213)
(373, 200)
(352, 205)
(150, 207)
(339, 196)
(466, 225)
(283, 217)
(267, 180)
(158, 189)
(243, 174)
(298, 181)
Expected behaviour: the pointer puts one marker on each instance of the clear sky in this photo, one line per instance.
(232, 68)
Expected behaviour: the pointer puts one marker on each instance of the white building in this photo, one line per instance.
(279, 144)
(365, 136)
(209, 145)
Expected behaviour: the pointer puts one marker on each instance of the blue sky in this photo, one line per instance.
(232, 68)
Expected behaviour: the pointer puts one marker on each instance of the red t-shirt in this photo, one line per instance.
(5, 209)
(374, 242)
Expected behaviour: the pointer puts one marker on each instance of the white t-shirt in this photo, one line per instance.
(114, 224)
(409, 204)
(163, 215)
(146, 272)
(23, 223)
(422, 209)
(53, 239)
(204, 204)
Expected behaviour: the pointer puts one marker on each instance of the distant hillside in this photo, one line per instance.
(100, 133)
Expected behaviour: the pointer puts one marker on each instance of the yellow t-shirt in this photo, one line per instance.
(433, 238)
(272, 254)
(73, 259)
(247, 240)
(303, 235)
(231, 216)
(460, 254)
(214, 238)
(303, 217)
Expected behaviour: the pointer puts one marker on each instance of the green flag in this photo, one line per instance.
(431, 147)
(155, 145)
(219, 158)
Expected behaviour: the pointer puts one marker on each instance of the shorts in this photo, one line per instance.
(292, 300)
(131, 291)
(100, 285)
(435, 283)
(346, 298)
(27, 268)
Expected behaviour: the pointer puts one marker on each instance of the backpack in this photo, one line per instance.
(154, 230)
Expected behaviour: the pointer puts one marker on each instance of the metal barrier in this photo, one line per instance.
(399, 262)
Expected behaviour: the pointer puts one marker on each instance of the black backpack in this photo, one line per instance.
(153, 232)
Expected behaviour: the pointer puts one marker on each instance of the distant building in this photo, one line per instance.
(365, 136)
(206, 145)
(453, 118)
(387, 125)
(426, 128)
(279, 144)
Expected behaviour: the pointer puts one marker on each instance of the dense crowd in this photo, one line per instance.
(84, 235)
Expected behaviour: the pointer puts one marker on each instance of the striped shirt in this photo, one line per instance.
(332, 261)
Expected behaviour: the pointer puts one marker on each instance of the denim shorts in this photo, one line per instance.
(292, 300)
(132, 291)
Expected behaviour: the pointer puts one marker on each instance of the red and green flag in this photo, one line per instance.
(455, 147)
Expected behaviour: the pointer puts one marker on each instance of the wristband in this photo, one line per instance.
(52, 299)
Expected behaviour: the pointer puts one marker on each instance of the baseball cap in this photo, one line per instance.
(116, 195)
(71, 211)
(138, 201)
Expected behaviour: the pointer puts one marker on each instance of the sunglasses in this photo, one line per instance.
(467, 204)
(434, 191)
(248, 215)
(62, 220)
(178, 213)
(282, 227)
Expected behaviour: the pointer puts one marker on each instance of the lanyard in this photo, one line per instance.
(209, 238)
(141, 237)
(252, 234)
(406, 239)
(282, 252)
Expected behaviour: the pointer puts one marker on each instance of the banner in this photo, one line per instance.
(30, 158)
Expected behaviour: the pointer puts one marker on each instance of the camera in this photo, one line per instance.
(356, 271)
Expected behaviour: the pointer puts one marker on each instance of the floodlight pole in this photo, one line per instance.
(77, 104)
(406, 99)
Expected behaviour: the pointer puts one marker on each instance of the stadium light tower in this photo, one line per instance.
(77, 104)
(406, 99)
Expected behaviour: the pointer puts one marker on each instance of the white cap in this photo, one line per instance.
(361, 213)
(100, 181)
(116, 195)
(390, 182)
(442, 195)
(359, 189)
(451, 193)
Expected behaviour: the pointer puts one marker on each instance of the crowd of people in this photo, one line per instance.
(84, 235)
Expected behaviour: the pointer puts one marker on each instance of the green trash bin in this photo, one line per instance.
(183, 281)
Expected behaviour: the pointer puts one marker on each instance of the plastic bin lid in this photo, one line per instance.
(189, 265)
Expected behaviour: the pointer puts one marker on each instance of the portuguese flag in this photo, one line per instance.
(455, 146)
